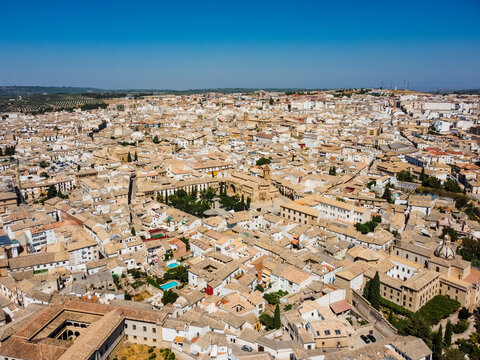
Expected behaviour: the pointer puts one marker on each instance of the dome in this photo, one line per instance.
(445, 250)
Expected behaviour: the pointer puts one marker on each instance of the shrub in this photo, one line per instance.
(259, 287)
(266, 320)
(263, 161)
(169, 297)
(464, 314)
(397, 309)
(274, 298)
(461, 326)
(438, 308)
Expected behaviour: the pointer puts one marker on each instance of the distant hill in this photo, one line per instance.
(35, 90)
(459, 92)
(38, 90)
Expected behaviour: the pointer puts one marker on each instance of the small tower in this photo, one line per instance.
(266, 172)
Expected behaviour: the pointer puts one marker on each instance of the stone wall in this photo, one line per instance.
(372, 315)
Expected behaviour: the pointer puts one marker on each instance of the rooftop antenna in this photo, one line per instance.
(391, 84)
(404, 84)
(381, 87)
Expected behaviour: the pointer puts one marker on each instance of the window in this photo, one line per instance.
(337, 332)
(327, 332)
(154, 330)
(134, 327)
(144, 329)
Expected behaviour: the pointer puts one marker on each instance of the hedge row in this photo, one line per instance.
(438, 308)
(397, 309)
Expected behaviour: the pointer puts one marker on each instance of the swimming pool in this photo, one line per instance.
(169, 285)
(173, 265)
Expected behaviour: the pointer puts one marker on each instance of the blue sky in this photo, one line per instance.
(195, 44)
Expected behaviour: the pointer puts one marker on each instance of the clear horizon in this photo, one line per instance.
(429, 45)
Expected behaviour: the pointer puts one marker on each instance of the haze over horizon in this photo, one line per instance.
(154, 45)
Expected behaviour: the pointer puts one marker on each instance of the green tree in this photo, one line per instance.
(249, 201)
(453, 354)
(51, 192)
(464, 314)
(271, 101)
(387, 194)
(277, 322)
(332, 171)
(390, 316)
(404, 175)
(129, 157)
(136, 156)
(447, 230)
(375, 292)
(78, 167)
(432, 182)
(417, 326)
(132, 230)
(452, 186)
(186, 242)
(447, 339)
(259, 287)
(423, 177)
(43, 164)
(437, 346)
(263, 161)
(155, 140)
(461, 201)
(169, 297)
(266, 320)
(366, 290)
(44, 174)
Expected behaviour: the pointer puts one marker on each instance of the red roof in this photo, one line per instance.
(340, 307)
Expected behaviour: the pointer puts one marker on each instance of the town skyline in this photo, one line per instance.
(431, 45)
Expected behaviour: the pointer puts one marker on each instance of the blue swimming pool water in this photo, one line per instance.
(169, 285)
(173, 265)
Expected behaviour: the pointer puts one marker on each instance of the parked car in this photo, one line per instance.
(371, 338)
(365, 339)
(247, 348)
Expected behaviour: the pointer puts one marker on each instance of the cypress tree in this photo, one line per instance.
(129, 157)
(136, 156)
(423, 177)
(390, 317)
(375, 292)
(437, 345)
(277, 323)
(366, 290)
(387, 194)
(447, 339)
